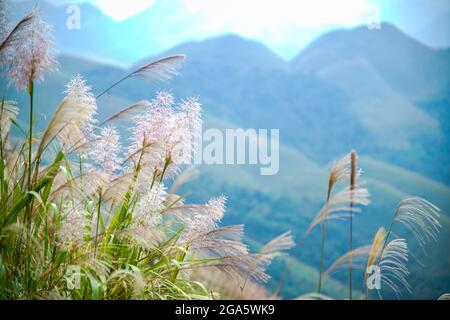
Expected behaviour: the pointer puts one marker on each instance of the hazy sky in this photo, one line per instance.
(282, 24)
(276, 21)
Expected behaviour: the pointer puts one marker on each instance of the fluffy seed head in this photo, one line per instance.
(73, 121)
(393, 269)
(162, 137)
(338, 206)
(420, 217)
(149, 208)
(161, 69)
(375, 250)
(356, 256)
(28, 51)
(73, 224)
(341, 169)
(105, 149)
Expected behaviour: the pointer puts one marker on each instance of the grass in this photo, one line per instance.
(83, 217)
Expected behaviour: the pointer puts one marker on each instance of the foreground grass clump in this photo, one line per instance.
(85, 215)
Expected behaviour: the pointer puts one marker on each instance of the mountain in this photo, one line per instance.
(337, 94)
(398, 88)
(379, 91)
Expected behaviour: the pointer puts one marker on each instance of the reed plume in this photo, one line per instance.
(339, 170)
(378, 243)
(275, 247)
(278, 245)
(338, 207)
(357, 257)
(160, 69)
(313, 296)
(420, 217)
(185, 176)
(28, 51)
(353, 173)
(164, 137)
(444, 296)
(73, 120)
(3, 21)
(104, 149)
(127, 112)
(8, 114)
(375, 249)
(393, 268)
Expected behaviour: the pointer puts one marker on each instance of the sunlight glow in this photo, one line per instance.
(121, 10)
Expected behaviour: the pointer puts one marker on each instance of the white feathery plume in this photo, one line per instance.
(392, 264)
(147, 216)
(340, 170)
(199, 219)
(3, 21)
(161, 69)
(313, 296)
(28, 51)
(163, 134)
(74, 222)
(80, 186)
(127, 112)
(9, 37)
(191, 119)
(186, 175)
(338, 206)
(247, 266)
(358, 256)
(117, 188)
(203, 237)
(73, 121)
(152, 133)
(420, 217)
(146, 237)
(173, 199)
(260, 261)
(375, 249)
(277, 245)
(445, 296)
(8, 114)
(150, 205)
(235, 260)
(104, 149)
(220, 242)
